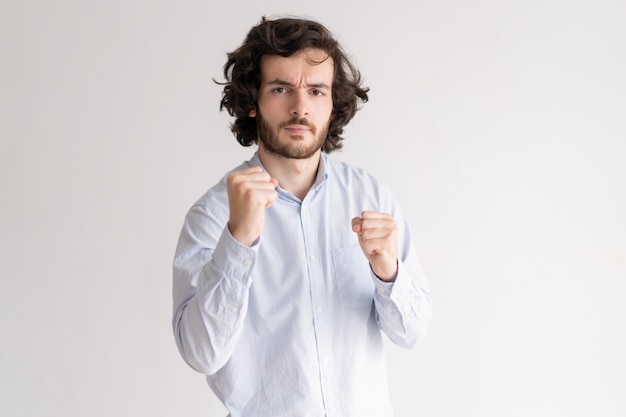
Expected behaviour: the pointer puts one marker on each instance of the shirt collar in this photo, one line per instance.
(322, 173)
(320, 178)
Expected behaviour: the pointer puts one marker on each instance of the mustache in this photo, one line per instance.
(295, 121)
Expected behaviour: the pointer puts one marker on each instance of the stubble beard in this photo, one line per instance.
(291, 149)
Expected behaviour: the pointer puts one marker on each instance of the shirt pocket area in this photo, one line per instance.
(353, 277)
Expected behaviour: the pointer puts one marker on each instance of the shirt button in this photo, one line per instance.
(247, 262)
(233, 310)
(312, 258)
(319, 309)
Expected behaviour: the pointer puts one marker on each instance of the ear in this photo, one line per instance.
(252, 113)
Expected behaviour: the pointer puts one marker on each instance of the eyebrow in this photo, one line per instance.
(278, 81)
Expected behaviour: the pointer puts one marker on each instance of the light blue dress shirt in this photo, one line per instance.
(292, 326)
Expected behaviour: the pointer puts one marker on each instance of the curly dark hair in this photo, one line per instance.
(285, 37)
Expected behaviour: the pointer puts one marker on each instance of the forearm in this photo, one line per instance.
(403, 307)
(211, 299)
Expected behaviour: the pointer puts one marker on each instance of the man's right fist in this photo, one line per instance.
(250, 192)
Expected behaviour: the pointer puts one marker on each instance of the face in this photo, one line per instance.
(294, 103)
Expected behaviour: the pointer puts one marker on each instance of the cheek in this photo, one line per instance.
(268, 105)
(269, 111)
(324, 111)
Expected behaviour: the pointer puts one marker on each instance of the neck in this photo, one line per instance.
(294, 175)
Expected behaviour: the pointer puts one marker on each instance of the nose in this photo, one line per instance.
(299, 106)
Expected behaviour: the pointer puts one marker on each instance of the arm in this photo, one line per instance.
(213, 270)
(212, 277)
(403, 307)
(402, 296)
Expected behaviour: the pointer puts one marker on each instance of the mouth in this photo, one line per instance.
(297, 129)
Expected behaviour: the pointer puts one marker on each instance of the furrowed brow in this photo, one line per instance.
(319, 85)
(280, 82)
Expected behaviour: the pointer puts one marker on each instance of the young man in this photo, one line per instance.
(288, 271)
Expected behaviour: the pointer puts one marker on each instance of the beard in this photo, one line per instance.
(293, 148)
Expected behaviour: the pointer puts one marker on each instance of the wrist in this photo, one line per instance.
(388, 274)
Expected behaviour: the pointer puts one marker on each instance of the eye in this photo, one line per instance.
(279, 90)
(318, 93)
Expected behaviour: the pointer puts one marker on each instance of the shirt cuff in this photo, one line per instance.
(234, 259)
(396, 290)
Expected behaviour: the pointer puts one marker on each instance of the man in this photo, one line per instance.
(288, 271)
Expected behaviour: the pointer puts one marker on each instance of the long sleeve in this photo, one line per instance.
(403, 307)
(212, 277)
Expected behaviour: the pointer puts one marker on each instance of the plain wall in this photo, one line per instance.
(500, 125)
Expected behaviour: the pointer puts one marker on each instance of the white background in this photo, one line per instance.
(499, 124)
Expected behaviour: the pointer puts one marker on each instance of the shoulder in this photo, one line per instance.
(355, 183)
(346, 173)
(346, 169)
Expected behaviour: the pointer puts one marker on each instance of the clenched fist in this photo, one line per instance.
(250, 192)
(378, 237)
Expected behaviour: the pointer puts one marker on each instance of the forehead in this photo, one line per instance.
(310, 64)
